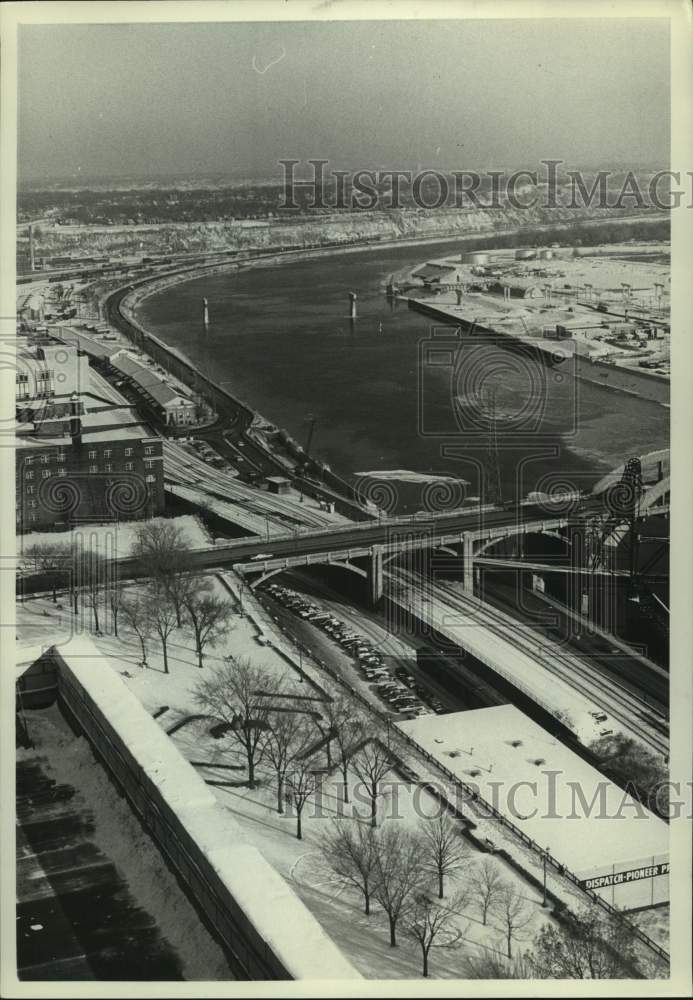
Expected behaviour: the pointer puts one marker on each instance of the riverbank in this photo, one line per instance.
(280, 338)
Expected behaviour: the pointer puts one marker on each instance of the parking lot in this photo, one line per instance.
(396, 687)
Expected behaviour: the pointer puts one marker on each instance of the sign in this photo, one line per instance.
(623, 878)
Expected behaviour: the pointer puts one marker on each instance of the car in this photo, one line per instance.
(261, 555)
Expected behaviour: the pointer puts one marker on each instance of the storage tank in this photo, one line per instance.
(476, 257)
(525, 254)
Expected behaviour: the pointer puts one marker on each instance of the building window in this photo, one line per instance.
(93, 468)
(148, 451)
(46, 474)
(107, 453)
(29, 475)
(92, 454)
(33, 516)
(30, 490)
(29, 460)
(32, 503)
(62, 472)
(150, 479)
(108, 468)
(44, 459)
(128, 452)
(21, 377)
(128, 466)
(149, 465)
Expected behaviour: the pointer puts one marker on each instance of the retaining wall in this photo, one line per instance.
(265, 930)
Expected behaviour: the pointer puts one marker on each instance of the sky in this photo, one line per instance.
(232, 98)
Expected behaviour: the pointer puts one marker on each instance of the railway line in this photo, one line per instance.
(636, 713)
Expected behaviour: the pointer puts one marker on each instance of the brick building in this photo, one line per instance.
(97, 464)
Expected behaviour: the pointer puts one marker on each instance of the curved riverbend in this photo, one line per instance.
(280, 337)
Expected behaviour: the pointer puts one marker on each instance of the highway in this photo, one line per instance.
(358, 537)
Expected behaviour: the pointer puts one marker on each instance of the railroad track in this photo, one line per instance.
(622, 703)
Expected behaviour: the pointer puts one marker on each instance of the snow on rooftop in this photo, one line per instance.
(533, 779)
(272, 907)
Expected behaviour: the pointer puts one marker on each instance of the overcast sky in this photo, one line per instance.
(146, 99)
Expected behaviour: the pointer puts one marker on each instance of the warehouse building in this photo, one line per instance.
(168, 406)
(611, 843)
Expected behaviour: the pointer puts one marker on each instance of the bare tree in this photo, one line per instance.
(115, 596)
(486, 886)
(48, 558)
(287, 738)
(161, 546)
(590, 946)
(209, 616)
(370, 763)
(425, 920)
(302, 781)
(398, 874)
(137, 614)
(514, 913)
(347, 727)
(488, 964)
(94, 573)
(351, 849)
(445, 852)
(239, 694)
(163, 617)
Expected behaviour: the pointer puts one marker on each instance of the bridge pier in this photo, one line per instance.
(468, 565)
(375, 576)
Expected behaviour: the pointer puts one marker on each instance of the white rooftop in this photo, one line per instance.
(531, 778)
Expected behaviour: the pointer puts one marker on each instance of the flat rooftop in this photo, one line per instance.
(535, 781)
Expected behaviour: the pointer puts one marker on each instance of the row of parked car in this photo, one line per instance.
(399, 690)
(209, 455)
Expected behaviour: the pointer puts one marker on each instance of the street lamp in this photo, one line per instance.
(546, 855)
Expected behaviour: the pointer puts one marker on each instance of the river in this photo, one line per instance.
(387, 392)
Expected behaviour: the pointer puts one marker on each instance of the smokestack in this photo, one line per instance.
(352, 305)
(75, 421)
(205, 314)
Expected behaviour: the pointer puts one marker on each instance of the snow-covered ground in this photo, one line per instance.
(113, 537)
(256, 636)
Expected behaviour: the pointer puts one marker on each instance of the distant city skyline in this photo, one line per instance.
(232, 99)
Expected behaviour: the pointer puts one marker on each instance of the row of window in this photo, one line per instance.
(34, 503)
(61, 456)
(41, 376)
(128, 467)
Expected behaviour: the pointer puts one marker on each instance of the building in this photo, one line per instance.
(49, 372)
(610, 842)
(435, 274)
(30, 307)
(278, 484)
(169, 406)
(92, 465)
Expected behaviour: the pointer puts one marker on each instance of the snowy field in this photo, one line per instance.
(365, 940)
(255, 636)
